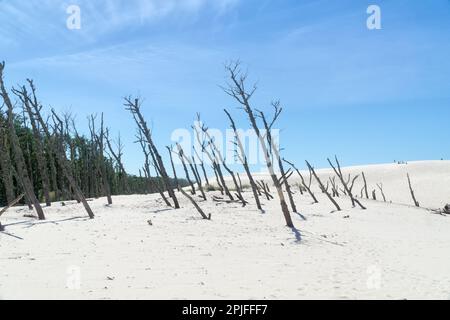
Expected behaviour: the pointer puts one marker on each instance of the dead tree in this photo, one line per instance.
(374, 194)
(365, 186)
(197, 177)
(327, 186)
(219, 185)
(38, 144)
(186, 171)
(98, 141)
(273, 148)
(202, 165)
(243, 159)
(416, 203)
(60, 156)
(117, 155)
(338, 172)
(184, 193)
(17, 151)
(334, 187)
(240, 182)
(212, 156)
(173, 167)
(307, 187)
(352, 184)
(220, 159)
(380, 186)
(134, 106)
(237, 90)
(147, 172)
(322, 187)
(265, 189)
(202, 213)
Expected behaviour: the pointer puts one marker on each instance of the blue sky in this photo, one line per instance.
(370, 96)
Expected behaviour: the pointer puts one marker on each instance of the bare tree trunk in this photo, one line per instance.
(118, 158)
(184, 158)
(239, 93)
(380, 186)
(219, 185)
(308, 189)
(265, 189)
(147, 172)
(202, 165)
(186, 171)
(212, 157)
(198, 178)
(17, 151)
(240, 182)
(202, 213)
(134, 108)
(338, 172)
(98, 141)
(60, 157)
(218, 156)
(39, 148)
(365, 186)
(322, 187)
(173, 168)
(416, 203)
(334, 187)
(243, 158)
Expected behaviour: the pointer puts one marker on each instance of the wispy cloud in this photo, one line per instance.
(42, 18)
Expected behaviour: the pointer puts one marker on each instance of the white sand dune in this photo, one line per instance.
(390, 251)
(430, 181)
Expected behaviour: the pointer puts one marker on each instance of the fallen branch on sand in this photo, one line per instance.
(12, 204)
(220, 199)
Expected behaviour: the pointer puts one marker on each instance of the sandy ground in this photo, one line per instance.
(390, 251)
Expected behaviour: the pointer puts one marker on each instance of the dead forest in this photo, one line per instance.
(44, 159)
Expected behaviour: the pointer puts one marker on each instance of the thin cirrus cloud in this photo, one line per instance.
(22, 18)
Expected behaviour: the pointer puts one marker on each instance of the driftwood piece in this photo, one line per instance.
(222, 200)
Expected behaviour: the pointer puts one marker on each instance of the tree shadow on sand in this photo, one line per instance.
(32, 223)
(297, 234)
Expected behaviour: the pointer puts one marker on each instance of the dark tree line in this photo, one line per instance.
(43, 156)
